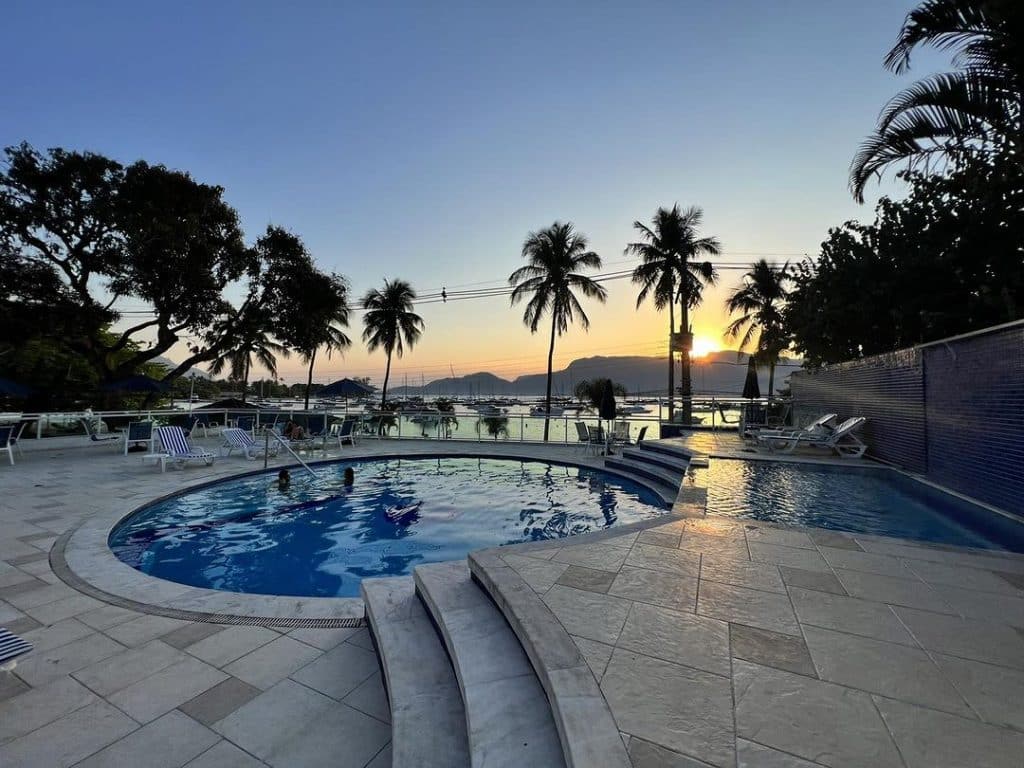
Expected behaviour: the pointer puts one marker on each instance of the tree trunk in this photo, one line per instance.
(771, 379)
(547, 397)
(309, 378)
(384, 389)
(685, 384)
(671, 361)
(245, 380)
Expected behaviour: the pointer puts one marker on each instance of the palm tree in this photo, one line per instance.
(556, 255)
(976, 108)
(325, 307)
(590, 391)
(390, 323)
(761, 299)
(250, 342)
(669, 273)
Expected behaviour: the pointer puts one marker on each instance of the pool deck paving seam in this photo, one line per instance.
(859, 707)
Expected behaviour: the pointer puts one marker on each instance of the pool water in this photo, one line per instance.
(861, 500)
(321, 539)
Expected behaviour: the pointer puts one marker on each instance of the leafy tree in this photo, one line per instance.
(669, 273)
(390, 324)
(250, 341)
(495, 426)
(761, 300)
(946, 260)
(590, 391)
(556, 257)
(976, 107)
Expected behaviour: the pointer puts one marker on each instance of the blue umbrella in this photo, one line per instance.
(345, 388)
(13, 388)
(135, 384)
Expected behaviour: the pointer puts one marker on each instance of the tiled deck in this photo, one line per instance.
(715, 643)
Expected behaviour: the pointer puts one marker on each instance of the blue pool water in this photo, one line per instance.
(877, 501)
(321, 539)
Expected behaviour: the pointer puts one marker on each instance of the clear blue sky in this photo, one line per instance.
(424, 140)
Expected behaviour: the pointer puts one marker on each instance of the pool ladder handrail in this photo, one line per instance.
(268, 433)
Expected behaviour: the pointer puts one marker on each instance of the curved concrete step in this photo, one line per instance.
(667, 478)
(670, 448)
(428, 722)
(589, 735)
(507, 715)
(663, 460)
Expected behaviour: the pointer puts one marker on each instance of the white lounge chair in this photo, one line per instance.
(823, 425)
(343, 433)
(138, 432)
(236, 439)
(841, 440)
(94, 434)
(6, 441)
(178, 449)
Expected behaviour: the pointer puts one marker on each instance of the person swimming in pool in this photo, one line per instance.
(350, 477)
(284, 480)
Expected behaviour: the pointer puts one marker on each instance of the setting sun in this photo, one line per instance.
(702, 346)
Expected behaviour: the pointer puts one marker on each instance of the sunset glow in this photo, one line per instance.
(702, 345)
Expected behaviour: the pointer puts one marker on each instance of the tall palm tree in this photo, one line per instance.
(556, 255)
(325, 307)
(670, 273)
(250, 342)
(977, 107)
(761, 299)
(390, 324)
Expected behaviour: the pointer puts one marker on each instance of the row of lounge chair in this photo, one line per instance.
(823, 433)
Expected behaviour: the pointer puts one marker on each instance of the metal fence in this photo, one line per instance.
(952, 410)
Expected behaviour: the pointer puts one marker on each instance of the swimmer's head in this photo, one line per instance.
(284, 479)
(350, 476)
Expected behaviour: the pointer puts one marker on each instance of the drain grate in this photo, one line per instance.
(60, 568)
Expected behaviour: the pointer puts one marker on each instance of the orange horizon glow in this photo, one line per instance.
(703, 346)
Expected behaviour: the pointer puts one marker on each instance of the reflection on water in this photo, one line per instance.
(320, 537)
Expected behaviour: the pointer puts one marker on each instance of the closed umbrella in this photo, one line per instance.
(751, 391)
(606, 409)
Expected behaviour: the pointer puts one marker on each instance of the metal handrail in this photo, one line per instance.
(268, 433)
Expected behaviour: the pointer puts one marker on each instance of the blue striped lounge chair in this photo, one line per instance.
(236, 439)
(11, 647)
(178, 449)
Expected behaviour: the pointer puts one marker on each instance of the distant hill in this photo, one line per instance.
(717, 373)
(170, 365)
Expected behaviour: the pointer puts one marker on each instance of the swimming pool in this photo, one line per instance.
(321, 539)
(861, 500)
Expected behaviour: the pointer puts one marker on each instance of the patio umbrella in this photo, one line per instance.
(13, 388)
(135, 384)
(606, 410)
(345, 388)
(751, 387)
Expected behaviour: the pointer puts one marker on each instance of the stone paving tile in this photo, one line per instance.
(988, 606)
(169, 688)
(716, 526)
(741, 573)
(910, 592)
(835, 540)
(168, 742)
(659, 538)
(539, 574)
(808, 559)
(995, 693)
(272, 662)
(677, 561)
(40, 706)
(185, 636)
(22, 625)
(771, 649)
(889, 669)
(727, 547)
(819, 580)
(324, 639)
(819, 721)
(588, 614)
(339, 671)
(224, 754)
(644, 754)
(604, 557)
(967, 638)
(40, 667)
(234, 642)
(753, 607)
(751, 755)
(21, 583)
(589, 579)
(58, 610)
(107, 616)
(1016, 580)
(849, 614)
(11, 686)
(658, 587)
(382, 759)
(143, 629)
(219, 701)
(361, 637)
(930, 739)
(71, 738)
(865, 561)
(682, 638)
(965, 578)
(680, 708)
(781, 536)
(596, 654)
(38, 595)
(128, 667)
(370, 698)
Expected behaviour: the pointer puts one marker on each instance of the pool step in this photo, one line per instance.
(669, 448)
(668, 480)
(428, 721)
(663, 460)
(507, 714)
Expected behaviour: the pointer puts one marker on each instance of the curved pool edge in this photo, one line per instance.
(83, 559)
